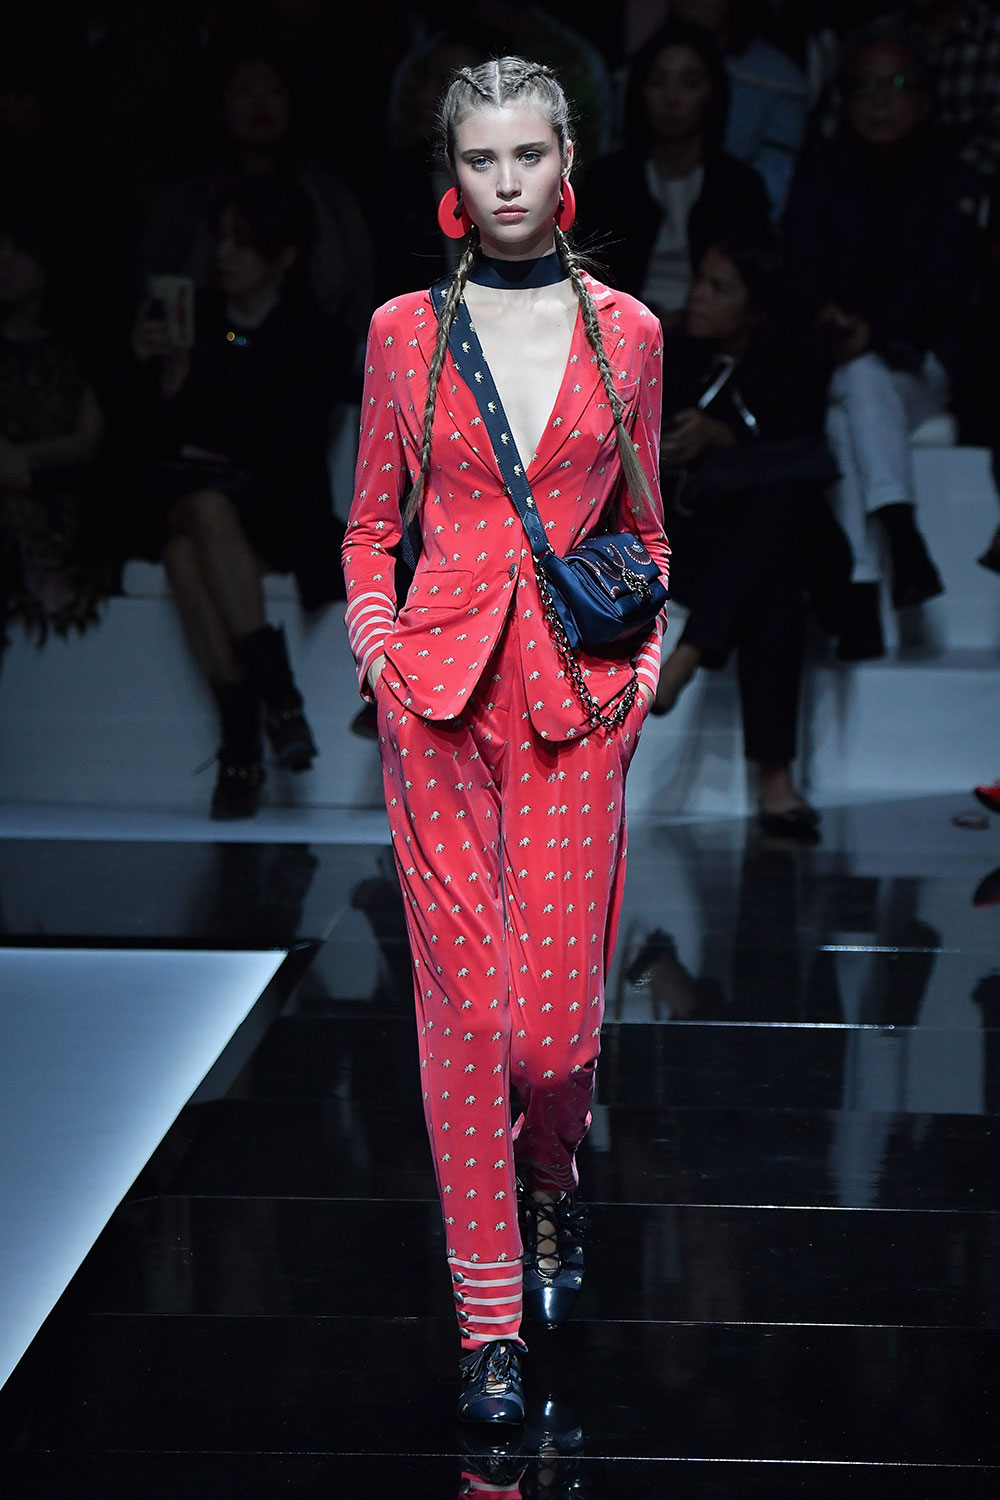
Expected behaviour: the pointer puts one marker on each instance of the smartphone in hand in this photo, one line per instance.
(172, 299)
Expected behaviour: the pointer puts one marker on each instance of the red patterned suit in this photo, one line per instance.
(506, 810)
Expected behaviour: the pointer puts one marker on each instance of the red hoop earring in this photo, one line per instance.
(452, 217)
(566, 213)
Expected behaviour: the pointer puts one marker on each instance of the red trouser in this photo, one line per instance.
(511, 855)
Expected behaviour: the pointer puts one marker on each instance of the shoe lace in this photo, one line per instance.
(495, 1364)
(552, 1231)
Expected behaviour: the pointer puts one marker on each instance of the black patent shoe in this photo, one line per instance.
(291, 738)
(495, 1458)
(237, 789)
(491, 1384)
(552, 1239)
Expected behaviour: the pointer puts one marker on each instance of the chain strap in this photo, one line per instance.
(574, 671)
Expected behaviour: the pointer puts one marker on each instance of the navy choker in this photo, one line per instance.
(545, 270)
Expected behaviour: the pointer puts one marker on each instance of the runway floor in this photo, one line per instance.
(793, 1282)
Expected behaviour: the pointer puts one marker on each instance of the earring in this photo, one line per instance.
(452, 217)
(566, 212)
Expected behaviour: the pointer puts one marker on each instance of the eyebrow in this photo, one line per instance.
(489, 151)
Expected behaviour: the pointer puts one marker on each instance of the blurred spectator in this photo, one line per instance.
(402, 197)
(652, 209)
(239, 485)
(961, 42)
(258, 131)
(53, 570)
(882, 249)
(767, 91)
(744, 464)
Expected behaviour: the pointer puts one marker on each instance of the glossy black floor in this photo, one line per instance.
(794, 1265)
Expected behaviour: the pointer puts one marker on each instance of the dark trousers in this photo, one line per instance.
(739, 570)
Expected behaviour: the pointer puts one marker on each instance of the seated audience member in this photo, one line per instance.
(881, 248)
(258, 132)
(744, 463)
(651, 210)
(960, 40)
(767, 91)
(53, 571)
(239, 484)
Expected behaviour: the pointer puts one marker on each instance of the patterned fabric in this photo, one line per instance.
(475, 558)
(507, 814)
(511, 856)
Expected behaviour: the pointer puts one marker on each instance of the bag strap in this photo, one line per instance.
(470, 362)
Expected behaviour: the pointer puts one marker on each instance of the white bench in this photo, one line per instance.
(119, 718)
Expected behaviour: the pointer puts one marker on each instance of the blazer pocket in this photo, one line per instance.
(437, 591)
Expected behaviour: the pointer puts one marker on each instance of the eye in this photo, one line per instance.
(478, 163)
(530, 157)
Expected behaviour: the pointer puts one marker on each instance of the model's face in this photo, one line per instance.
(241, 271)
(508, 166)
(256, 106)
(676, 94)
(886, 102)
(719, 302)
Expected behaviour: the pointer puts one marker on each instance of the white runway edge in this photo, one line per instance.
(99, 1052)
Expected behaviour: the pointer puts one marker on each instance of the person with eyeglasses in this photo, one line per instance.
(883, 253)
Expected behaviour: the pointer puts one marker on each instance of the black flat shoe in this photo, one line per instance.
(491, 1384)
(797, 822)
(550, 1291)
(237, 789)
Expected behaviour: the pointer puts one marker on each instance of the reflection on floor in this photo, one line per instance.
(794, 1273)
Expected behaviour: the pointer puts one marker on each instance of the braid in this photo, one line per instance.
(638, 486)
(434, 374)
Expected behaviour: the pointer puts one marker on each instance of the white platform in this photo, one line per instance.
(100, 1051)
(119, 718)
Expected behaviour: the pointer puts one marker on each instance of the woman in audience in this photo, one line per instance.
(878, 240)
(652, 209)
(744, 463)
(53, 571)
(258, 133)
(240, 485)
(767, 90)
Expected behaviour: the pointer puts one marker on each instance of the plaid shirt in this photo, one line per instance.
(967, 85)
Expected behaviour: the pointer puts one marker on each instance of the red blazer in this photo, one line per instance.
(476, 569)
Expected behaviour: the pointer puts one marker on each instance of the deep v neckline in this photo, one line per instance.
(572, 363)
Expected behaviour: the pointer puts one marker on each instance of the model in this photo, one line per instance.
(504, 781)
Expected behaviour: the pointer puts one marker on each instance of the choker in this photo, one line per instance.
(545, 270)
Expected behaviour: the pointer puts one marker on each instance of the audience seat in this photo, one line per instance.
(118, 717)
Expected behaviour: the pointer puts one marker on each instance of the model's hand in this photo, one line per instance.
(375, 671)
(15, 470)
(689, 434)
(647, 694)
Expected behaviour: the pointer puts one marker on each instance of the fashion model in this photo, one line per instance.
(504, 757)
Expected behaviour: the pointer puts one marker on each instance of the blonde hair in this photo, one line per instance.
(493, 85)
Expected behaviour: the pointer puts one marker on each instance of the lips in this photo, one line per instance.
(509, 213)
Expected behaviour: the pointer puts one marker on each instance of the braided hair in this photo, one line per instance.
(493, 85)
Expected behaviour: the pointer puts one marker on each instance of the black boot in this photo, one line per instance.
(859, 637)
(241, 775)
(552, 1240)
(914, 577)
(266, 656)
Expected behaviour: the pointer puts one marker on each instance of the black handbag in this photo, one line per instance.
(603, 592)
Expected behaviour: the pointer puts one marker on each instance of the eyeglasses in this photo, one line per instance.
(871, 85)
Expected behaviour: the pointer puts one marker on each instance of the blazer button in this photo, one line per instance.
(513, 571)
